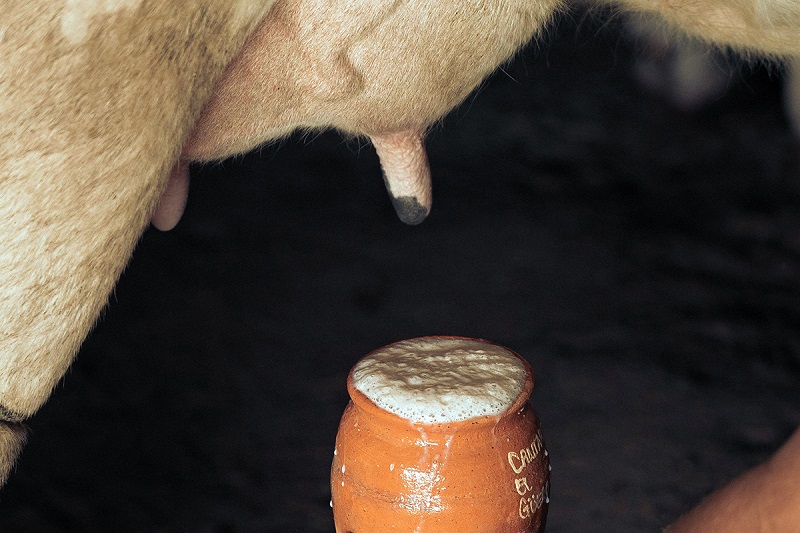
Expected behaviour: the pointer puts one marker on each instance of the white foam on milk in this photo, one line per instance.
(434, 380)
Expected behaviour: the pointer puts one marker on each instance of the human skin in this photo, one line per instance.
(765, 499)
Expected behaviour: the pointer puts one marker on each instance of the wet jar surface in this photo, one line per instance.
(433, 472)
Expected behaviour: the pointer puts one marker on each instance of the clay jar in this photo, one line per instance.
(484, 474)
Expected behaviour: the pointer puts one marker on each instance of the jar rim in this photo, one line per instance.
(363, 402)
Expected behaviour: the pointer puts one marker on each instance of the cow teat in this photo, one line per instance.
(406, 173)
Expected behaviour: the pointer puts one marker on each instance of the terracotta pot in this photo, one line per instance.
(488, 474)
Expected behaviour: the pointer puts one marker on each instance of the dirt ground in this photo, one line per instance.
(644, 260)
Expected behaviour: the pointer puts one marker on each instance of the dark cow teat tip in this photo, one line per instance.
(409, 210)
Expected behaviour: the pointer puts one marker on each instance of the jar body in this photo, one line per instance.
(482, 475)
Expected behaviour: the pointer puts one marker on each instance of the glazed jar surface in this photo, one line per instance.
(481, 474)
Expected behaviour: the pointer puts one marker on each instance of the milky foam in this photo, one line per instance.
(435, 380)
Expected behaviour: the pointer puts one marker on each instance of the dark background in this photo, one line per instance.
(644, 260)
